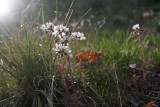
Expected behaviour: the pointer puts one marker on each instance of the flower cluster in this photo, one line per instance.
(78, 36)
(62, 50)
(48, 27)
(62, 32)
(136, 29)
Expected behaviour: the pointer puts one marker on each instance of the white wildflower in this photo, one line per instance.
(132, 65)
(62, 50)
(136, 27)
(78, 36)
(60, 31)
(40, 45)
(48, 26)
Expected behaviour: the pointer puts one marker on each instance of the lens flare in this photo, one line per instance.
(4, 7)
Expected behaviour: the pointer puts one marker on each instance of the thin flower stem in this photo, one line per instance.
(66, 61)
(58, 62)
(67, 93)
(144, 62)
(53, 40)
(65, 82)
(62, 74)
(81, 69)
(84, 85)
(71, 77)
(77, 47)
(134, 76)
(54, 47)
(141, 48)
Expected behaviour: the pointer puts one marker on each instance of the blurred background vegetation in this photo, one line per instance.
(118, 14)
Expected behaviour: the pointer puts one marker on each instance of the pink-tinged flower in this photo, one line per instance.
(60, 31)
(48, 27)
(78, 36)
(62, 50)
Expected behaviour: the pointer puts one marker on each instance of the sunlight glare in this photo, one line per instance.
(4, 7)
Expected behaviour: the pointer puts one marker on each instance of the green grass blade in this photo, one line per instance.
(11, 73)
(43, 18)
(8, 99)
(39, 102)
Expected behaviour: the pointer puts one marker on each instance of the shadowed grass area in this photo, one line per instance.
(28, 68)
